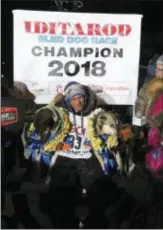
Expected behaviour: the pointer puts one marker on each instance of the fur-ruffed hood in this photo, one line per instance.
(147, 103)
(92, 102)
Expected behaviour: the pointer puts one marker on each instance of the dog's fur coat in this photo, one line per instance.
(107, 123)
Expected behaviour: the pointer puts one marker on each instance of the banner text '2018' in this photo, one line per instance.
(72, 68)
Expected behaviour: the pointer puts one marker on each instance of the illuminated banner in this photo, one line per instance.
(99, 50)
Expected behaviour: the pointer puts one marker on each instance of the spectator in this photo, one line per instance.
(151, 69)
(150, 97)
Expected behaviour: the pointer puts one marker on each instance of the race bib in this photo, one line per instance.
(76, 147)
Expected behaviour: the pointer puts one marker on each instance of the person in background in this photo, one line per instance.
(151, 68)
(159, 67)
(21, 91)
(150, 97)
(12, 144)
(154, 159)
(150, 104)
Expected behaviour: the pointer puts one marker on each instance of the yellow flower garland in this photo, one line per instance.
(58, 140)
(54, 144)
(96, 142)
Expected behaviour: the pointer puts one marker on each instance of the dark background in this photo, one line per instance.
(152, 23)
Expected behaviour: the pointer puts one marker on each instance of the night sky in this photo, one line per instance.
(152, 24)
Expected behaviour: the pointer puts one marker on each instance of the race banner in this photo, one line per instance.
(98, 50)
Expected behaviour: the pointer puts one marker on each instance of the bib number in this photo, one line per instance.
(76, 142)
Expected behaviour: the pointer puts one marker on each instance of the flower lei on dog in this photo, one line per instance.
(58, 134)
(101, 145)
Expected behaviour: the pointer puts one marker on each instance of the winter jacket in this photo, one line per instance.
(76, 146)
(150, 102)
(21, 91)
